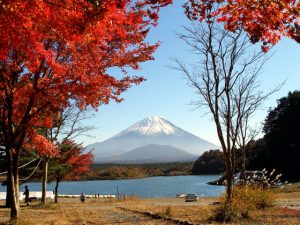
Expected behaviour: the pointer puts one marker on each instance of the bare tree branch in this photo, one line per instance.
(225, 81)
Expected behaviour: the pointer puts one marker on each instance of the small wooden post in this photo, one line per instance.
(118, 193)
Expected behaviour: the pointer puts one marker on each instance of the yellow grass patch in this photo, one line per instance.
(108, 212)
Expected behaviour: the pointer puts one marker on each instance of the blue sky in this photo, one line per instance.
(166, 94)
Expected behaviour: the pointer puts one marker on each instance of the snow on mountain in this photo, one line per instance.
(151, 130)
(152, 125)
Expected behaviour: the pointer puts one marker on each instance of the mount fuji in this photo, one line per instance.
(152, 131)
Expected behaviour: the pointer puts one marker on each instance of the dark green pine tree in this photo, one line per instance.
(282, 136)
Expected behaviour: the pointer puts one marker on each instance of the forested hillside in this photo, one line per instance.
(278, 149)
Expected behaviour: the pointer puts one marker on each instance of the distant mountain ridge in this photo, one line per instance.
(151, 130)
(153, 153)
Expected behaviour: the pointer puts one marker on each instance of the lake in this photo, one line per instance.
(167, 186)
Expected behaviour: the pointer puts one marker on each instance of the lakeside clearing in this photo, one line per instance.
(151, 211)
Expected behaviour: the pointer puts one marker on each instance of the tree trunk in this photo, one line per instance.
(45, 179)
(8, 191)
(230, 166)
(229, 188)
(13, 183)
(56, 190)
(16, 178)
(15, 207)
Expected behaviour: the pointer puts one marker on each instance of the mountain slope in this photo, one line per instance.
(151, 130)
(154, 153)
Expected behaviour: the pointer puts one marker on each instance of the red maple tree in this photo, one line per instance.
(54, 52)
(70, 165)
(264, 20)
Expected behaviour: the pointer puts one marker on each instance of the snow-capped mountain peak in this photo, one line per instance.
(152, 125)
(154, 131)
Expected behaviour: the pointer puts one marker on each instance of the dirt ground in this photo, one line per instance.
(150, 211)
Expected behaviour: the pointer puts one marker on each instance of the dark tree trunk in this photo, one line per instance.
(8, 191)
(13, 183)
(56, 190)
(230, 168)
(229, 187)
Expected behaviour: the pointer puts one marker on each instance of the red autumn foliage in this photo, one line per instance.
(53, 52)
(40, 143)
(72, 162)
(264, 20)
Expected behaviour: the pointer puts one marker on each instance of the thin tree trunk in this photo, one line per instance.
(230, 168)
(56, 190)
(45, 179)
(229, 188)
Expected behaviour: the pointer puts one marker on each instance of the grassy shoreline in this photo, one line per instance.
(69, 211)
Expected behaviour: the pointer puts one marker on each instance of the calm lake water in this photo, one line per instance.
(145, 187)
